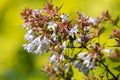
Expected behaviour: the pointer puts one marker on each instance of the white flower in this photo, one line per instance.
(53, 59)
(26, 25)
(29, 47)
(73, 31)
(64, 18)
(87, 60)
(82, 55)
(79, 40)
(37, 41)
(94, 21)
(52, 25)
(45, 40)
(64, 45)
(107, 50)
(88, 36)
(53, 36)
(66, 67)
(86, 28)
(39, 49)
(56, 67)
(92, 65)
(37, 12)
(29, 35)
(62, 57)
(84, 16)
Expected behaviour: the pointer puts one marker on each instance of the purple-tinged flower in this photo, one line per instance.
(53, 36)
(37, 41)
(39, 49)
(29, 47)
(26, 25)
(65, 67)
(63, 45)
(87, 28)
(62, 57)
(93, 21)
(84, 16)
(52, 25)
(53, 59)
(56, 66)
(73, 31)
(82, 55)
(87, 60)
(36, 12)
(79, 40)
(92, 64)
(29, 35)
(45, 40)
(64, 18)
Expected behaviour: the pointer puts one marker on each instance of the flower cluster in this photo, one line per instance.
(48, 30)
(116, 35)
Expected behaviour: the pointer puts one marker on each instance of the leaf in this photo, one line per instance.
(107, 74)
(103, 60)
(116, 20)
(75, 56)
(101, 30)
(117, 68)
(106, 14)
(70, 73)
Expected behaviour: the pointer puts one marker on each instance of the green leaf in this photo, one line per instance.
(101, 30)
(70, 73)
(116, 20)
(102, 60)
(117, 68)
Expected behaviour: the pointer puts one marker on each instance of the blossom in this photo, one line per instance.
(63, 45)
(62, 57)
(26, 25)
(73, 31)
(65, 67)
(87, 28)
(94, 21)
(39, 49)
(36, 12)
(107, 51)
(29, 35)
(52, 25)
(82, 55)
(45, 40)
(87, 60)
(64, 18)
(83, 16)
(56, 66)
(37, 41)
(92, 65)
(53, 59)
(53, 36)
(79, 40)
(29, 47)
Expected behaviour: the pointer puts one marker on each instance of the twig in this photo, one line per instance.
(115, 78)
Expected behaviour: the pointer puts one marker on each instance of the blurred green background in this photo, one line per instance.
(15, 62)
